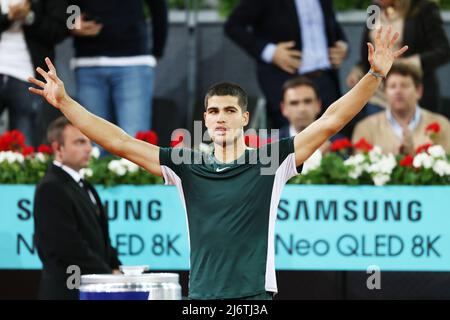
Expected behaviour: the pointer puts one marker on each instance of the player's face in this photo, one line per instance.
(300, 106)
(76, 150)
(224, 119)
(401, 93)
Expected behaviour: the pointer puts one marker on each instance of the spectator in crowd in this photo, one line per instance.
(29, 31)
(114, 63)
(404, 126)
(301, 106)
(70, 224)
(420, 26)
(289, 38)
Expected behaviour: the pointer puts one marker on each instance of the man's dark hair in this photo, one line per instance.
(407, 70)
(228, 89)
(299, 82)
(55, 130)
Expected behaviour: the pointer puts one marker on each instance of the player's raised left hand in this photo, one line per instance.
(381, 53)
(52, 89)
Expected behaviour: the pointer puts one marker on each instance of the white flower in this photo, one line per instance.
(355, 173)
(385, 165)
(40, 157)
(423, 160)
(95, 153)
(436, 151)
(113, 165)
(11, 157)
(381, 179)
(357, 162)
(442, 168)
(121, 171)
(117, 167)
(375, 154)
(86, 173)
(129, 166)
(313, 162)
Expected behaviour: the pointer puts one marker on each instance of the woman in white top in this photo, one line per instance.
(29, 31)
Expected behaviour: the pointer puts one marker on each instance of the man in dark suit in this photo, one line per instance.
(70, 224)
(288, 38)
(301, 105)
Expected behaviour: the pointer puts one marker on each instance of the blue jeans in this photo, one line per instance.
(122, 95)
(23, 107)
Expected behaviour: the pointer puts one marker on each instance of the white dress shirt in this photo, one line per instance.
(313, 37)
(15, 59)
(75, 176)
(397, 127)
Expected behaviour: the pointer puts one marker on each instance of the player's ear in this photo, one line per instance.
(55, 146)
(420, 91)
(283, 108)
(246, 117)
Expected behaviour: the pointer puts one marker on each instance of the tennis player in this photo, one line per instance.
(231, 195)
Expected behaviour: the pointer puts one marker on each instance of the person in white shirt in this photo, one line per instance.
(29, 31)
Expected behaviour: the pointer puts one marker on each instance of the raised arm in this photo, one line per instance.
(381, 58)
(106, 134)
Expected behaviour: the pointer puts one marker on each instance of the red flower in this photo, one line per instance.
(407, 161)
(340, 144)
(178, 139)
(423, 148)
(27, 150)
(363, 145)
(433, 127)
(148, 136)
(12, 141)
(43, 148)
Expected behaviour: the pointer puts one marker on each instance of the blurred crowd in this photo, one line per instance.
(298, 47)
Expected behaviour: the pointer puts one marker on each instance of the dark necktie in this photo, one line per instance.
(84, 185)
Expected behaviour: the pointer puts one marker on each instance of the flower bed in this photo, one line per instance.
(430, 165)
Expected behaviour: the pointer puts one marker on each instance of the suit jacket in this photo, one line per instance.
(377, 130)
(284, 132)
(424, 33)
(48, 29)
(69, 230)
(273, 22)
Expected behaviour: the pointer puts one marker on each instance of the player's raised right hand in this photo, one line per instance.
(52, 89)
